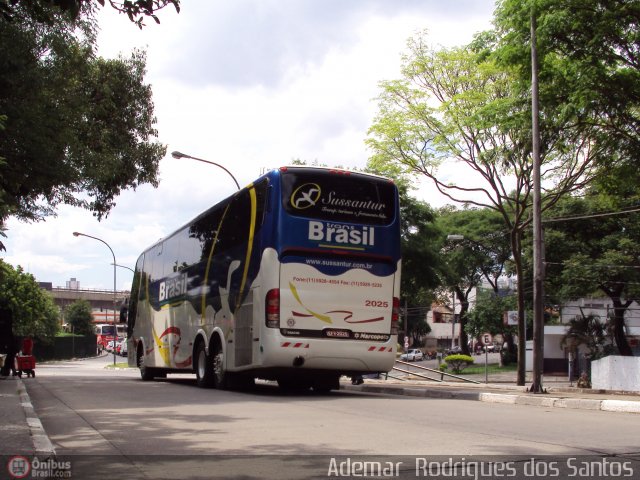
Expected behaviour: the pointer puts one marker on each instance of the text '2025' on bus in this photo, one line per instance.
(294, 278)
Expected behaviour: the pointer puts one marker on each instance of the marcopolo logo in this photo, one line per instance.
(341, 234)
(306, 196)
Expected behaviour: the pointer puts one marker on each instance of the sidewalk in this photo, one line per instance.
(20, 427)
(502, 388)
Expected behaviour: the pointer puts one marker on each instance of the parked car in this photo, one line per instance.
(412, 355)
(123, 348)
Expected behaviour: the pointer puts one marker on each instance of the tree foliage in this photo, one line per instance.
(488, 316)
(590, 66)
(33, 311)
(474, 248)
(78, 316)
(79, 129)
(590, 253)
(589, 331)
(44, 11)
(462, 105)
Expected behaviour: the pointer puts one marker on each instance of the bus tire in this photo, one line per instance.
(220, 376)
(146, 373)
(204, 367)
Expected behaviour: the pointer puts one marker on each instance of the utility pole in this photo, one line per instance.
(538, 244)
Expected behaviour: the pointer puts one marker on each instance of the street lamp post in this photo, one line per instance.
(78, 234)
(179, 155)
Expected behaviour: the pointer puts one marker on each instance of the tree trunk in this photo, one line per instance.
(464, 308)
(618, 327)
(517, 260)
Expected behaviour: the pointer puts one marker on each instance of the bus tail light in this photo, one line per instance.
(395, 316)
(272, 308)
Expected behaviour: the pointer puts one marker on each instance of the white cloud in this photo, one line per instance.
(249, 84)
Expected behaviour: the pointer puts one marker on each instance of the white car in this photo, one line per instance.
(412, 355)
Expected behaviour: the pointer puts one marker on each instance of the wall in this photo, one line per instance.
(66, 347)
(616, 373)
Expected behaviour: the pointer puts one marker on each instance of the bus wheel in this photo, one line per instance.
(219, 373)
(146, 373)
(204, 367)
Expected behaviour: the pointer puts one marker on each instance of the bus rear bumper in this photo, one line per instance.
(339, 356)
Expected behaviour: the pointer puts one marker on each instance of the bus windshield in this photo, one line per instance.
(326, 196)
(104, 330)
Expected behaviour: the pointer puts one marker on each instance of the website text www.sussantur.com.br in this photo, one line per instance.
(338, 263)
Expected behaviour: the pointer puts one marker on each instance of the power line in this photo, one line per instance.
(596, 266)
(593, 215)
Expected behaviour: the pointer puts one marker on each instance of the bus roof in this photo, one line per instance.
(271, 173)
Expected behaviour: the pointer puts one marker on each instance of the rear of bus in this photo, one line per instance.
(334, 308)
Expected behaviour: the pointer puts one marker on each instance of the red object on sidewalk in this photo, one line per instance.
(27, 346)
(25, 362)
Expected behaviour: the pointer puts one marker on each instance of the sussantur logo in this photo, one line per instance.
(305, 196)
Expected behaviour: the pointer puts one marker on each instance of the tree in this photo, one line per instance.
(44, 10)
(590, 71)
(597, 252)
(467, 260)
(460, 104)
(33, 311)
(78, 316)
(586, 330)
(487, 316)
(79, 129)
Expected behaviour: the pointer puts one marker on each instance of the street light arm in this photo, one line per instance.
(78, 234)
(115, 333)
(124, 266)
(179, 155)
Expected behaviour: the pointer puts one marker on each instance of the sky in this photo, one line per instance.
(248, 84)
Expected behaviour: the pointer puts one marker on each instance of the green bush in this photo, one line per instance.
(458, 362)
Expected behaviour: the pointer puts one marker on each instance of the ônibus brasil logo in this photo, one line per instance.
(19, 466)
(305, 196)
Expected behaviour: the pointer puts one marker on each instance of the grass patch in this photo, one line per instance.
(493, 368)
(119, 365)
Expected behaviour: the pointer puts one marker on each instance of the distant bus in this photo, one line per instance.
(104, 334)
(294, 278)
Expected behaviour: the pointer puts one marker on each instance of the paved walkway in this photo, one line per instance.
(22, 433)
(502, 388)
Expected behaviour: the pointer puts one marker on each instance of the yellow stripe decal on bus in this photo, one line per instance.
(203, 305)
(319, 316)
(252, 231)
(164, 352)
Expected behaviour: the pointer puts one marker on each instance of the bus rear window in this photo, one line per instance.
(342, 197)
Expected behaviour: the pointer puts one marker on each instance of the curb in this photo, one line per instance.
(41, 443)
(620, 406)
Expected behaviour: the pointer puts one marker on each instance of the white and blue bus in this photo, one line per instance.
(294, 278)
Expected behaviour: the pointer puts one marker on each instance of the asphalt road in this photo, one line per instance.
(92, 411)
